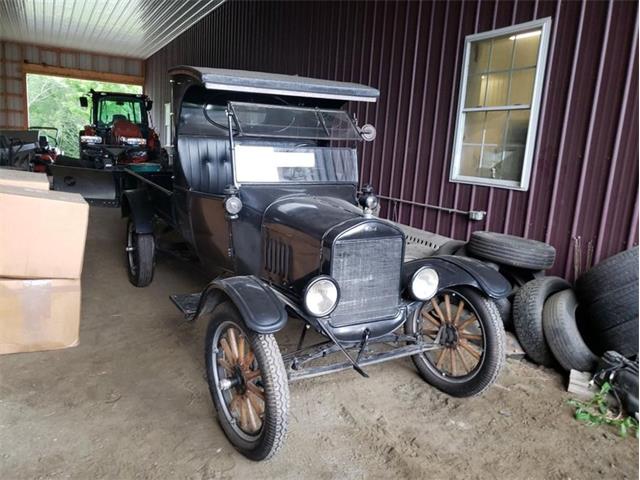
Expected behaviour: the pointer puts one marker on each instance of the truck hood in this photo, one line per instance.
(312, 216)
(298, 233)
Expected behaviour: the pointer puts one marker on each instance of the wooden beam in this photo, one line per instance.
(82, 74)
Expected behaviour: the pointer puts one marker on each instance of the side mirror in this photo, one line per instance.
(84, 102)
(368, 132)
(149, 104)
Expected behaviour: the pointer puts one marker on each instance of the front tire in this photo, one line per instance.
(469, 329)
(248, 384)
(141, 256)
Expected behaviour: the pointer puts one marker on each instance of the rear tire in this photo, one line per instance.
(141, 256)
(256, 424)
(487, 340)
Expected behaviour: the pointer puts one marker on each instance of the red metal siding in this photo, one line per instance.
(584, 182)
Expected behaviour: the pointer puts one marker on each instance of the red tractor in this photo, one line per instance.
(120, 131)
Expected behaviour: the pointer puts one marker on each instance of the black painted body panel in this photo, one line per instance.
(287, 233)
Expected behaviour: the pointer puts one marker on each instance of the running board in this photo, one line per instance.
(187, 303)
(372, 359)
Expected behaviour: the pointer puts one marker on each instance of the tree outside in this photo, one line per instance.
(53, 102)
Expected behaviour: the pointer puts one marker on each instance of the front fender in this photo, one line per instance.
(136, 204)
(455, 271)
(259, 307)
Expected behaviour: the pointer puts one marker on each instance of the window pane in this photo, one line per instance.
(499, 82)
(518, 127)
(479, 58)
(473, 127)
(522, 86)
(470, 161)
(495, 128)
(526, 54)
(497, 89)
(501, 54)
(510, 168)
(476, 89)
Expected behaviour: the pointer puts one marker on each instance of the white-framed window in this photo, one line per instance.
(500, 92)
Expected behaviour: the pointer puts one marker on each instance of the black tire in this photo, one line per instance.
(140, 256)
(510, 250)
(504, 308)
(520, 276)
(608, 296)
(527, 317)
(623, 338)
(449, 248)
(272, 379)
(492, 357)
(616, 271)
(562, 334)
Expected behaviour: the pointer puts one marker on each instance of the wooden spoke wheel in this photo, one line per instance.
(451, 323)
(248, 384)
(240, 380)
(467, 328)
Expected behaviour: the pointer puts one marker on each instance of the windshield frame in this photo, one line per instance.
(318, 112)
(116, 98)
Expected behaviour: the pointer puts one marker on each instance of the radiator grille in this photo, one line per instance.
(368, 273)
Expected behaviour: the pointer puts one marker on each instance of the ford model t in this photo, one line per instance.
(264, 188)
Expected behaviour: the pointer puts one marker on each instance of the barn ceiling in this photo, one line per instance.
(132, 28)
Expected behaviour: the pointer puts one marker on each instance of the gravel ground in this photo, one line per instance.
(131, 401)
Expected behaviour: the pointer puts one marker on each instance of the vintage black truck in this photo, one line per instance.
(264, 189)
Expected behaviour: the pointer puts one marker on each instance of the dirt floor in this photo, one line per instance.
(131, 401)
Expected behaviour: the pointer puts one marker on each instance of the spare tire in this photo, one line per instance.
(511, 250)
(527, 317)
(608, 296)
(562, 334)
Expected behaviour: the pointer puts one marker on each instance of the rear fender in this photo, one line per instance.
(137, 205)
(259, 307)
(456, 271)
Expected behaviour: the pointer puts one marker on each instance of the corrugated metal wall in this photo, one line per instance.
(584, 186)
(14, 56)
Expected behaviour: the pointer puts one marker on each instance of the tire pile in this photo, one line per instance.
(558, 325)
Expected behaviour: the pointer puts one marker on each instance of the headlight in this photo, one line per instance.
(424, 284)
(233, 205)
(321, 296)
(90, 139)
(133, 140)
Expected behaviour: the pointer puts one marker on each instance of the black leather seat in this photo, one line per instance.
(205, 163)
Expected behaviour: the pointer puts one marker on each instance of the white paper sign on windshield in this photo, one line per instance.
(261, 164)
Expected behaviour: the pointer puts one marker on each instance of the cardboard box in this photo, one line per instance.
(20, 178)
(42, 233)
(37, 315)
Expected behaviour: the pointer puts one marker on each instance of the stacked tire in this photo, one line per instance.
(519, 259)
(554, 323)
(608, 295)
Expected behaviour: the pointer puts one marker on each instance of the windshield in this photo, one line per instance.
(112, 109)
(262, 164)
(256, 120)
